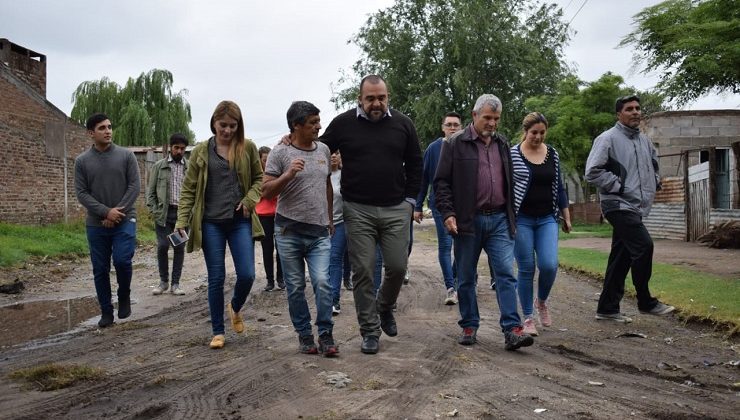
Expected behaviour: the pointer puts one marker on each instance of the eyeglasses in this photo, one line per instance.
(451, 125)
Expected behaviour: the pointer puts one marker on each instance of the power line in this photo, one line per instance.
(578, 11)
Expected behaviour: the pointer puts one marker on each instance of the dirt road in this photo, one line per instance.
(158, 364)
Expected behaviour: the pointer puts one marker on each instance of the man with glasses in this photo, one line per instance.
(623, 164)
(451, 123)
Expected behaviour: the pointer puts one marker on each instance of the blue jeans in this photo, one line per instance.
(238, 234)
(444, 248)
(118, 243)
(339, 266)
(536, 238)
(295, 249)
(491, 235)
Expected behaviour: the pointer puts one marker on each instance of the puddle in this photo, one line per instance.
(26, 321)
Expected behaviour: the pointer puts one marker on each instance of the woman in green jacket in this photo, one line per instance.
(222, 185)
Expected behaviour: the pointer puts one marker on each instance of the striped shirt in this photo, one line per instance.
(522, 178)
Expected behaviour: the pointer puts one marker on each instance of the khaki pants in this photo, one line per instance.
(367, 225)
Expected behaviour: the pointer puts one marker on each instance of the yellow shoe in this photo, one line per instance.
(236, 320)
(217, 342)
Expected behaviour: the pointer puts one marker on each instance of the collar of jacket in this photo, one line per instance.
(627, 131)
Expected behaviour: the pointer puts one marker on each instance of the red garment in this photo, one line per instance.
(266, 207)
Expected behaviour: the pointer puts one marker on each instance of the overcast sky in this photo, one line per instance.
(261, 54)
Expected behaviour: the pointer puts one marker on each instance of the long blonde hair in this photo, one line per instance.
(236, 148)
(530, 120)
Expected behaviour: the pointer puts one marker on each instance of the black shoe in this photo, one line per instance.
(336, 309)
(327, 346)
(280, 284)
(106, 320)
(468, 337)
(269, 287)
(406, 278)
(124, 308)
(348, 284)
(370, 344)
(388, 323)
(493, 284)
(516, 338)
(306, 345)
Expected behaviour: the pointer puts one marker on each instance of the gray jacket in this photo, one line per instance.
(623, 164)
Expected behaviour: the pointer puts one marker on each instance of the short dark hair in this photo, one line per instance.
(299, 111)
(264, 150)
(371, 78)
(624, 99)
(452, 114)
(95, 119)
(178, 138)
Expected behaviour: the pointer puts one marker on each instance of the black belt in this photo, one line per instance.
(488, 212)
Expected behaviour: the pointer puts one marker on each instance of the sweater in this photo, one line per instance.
(381, 161)
(107, 179)
(522, 178)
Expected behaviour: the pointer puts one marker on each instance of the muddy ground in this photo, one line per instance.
(157, 364)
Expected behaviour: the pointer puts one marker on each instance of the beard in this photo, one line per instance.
(176, 158)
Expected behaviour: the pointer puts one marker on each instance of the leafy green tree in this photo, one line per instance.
(694, 43)
(578, 112)
(145, 112)
(440, 55)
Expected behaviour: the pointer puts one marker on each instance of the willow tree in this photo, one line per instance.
(144, 112)
(440, 55)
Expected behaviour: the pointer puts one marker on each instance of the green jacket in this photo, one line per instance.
(158, 190)
(192, 205)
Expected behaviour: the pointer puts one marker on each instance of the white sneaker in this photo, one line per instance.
(529, 327)
(335, 310)
(163, 286)
(451, 298)
(177, 290)
(614, 317)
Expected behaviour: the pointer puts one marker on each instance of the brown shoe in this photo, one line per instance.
(217, 342)
(237, 323)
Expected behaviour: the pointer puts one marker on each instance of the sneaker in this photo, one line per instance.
(660, 309)
(406, 277)
(327, 346)
(614, 317)
(163, 286)
(177, 290)
(306, 345)
(543, 312)
(336, 309)
(106, 320)
(493, 284)
(237, 323)
(529, 327)
(217, 342)
(280, 284)
(269, 287)
(451, 298)
(468, 337)
(515, 338)
(348, 284)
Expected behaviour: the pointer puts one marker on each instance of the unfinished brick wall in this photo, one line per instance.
(33, 134)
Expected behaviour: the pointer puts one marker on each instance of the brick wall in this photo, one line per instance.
(27, 65)
(33, 136)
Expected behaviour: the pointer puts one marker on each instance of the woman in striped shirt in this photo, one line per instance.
(539, 200)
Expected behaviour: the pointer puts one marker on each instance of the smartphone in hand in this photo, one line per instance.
(176, 239)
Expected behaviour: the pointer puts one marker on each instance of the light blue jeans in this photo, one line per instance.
(444, 248)
(297, 250)
(536, 242)
(491, 235)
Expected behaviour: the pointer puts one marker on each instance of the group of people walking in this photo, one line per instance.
(353, 192)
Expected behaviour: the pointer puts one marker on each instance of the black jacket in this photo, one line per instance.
(456, 180)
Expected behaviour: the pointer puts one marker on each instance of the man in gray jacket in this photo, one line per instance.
(623, 164)
(162, 196)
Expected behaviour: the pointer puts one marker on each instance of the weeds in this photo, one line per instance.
(50, 377)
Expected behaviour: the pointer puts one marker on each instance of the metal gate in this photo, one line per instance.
(699, 201)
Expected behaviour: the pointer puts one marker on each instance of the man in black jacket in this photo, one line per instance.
(474, 190)
(381, 177)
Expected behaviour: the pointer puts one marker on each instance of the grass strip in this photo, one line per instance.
(51, 376)
(698, 296)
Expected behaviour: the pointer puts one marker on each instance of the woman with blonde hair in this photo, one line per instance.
(539, 200)
(221, 189)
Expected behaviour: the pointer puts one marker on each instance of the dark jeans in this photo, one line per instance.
(118, 243)
(268, 246)
(632, 248)
(238, 234)
(163, 246)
